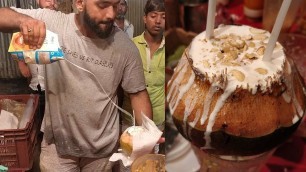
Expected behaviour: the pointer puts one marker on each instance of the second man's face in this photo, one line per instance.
(121, 9)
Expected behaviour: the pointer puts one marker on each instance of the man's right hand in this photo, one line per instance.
(33, 31)
(24, 69)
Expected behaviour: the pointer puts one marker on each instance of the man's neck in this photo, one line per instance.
(153, 39)
(83, 27)
(120, 23)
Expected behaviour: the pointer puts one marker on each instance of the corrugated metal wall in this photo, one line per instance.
(8, 67)
(135, 14)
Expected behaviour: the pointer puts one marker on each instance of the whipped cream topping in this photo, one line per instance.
(135, 130)
(235, 55)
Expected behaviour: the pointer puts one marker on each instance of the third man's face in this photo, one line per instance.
(155, 22)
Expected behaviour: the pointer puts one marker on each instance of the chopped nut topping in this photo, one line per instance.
(223, 36)
(261, 71)
(247, 37)
(206, 64)
(252, 44)
(214, 50)
(245, 48)
(257, 31)
(238, 75)
(220, 55)
(261, 50)
(231, 55)
(251, 56)
(237, 43)
(260, 37)
(229, 63)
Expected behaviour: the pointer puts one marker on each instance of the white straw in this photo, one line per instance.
(276, 29)
(210, 23)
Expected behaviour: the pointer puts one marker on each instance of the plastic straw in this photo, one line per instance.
(210, 24)
(276, 29)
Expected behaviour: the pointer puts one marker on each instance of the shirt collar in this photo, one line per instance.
(143, 41)
(126, 24)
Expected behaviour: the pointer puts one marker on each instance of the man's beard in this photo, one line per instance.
(120, 16)
(102, 33)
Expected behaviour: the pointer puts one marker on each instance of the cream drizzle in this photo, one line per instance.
(291, 93)
(183, 89)
(190, 103)
(286, 97)
(295, 119)
(212, 117)
(208, 98)
(180, 77)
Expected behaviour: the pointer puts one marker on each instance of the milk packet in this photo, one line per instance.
(48, 53)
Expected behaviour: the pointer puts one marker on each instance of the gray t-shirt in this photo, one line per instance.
(79, 117)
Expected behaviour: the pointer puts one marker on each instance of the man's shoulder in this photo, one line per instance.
(121, 37)
(139, 39)
(127, 23)
(123, 43)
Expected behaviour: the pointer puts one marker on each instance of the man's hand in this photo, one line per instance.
(33, 31)
(161, 140)
(24, 69)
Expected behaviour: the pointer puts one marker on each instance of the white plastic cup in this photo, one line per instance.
(181, 157)
(210, 162)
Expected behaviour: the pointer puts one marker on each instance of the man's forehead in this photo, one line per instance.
(109, 1)
(158, 12)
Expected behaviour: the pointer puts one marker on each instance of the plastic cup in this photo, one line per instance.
(181, 154)
(215, 163)
(149, 162)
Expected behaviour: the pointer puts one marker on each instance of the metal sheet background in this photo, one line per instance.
(135, 14)
(8, 67)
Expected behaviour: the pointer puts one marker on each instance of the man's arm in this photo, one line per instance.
(10, 20)
(141, 103)
(33, 31)
(24, 69)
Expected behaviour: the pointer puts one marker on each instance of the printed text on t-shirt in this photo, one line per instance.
(87, 59)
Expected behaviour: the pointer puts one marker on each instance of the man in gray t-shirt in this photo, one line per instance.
(81, 123)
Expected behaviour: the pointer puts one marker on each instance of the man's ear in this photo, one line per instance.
(144, 18)
(79, 4)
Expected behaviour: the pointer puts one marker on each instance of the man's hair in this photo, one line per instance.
(154, 5)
